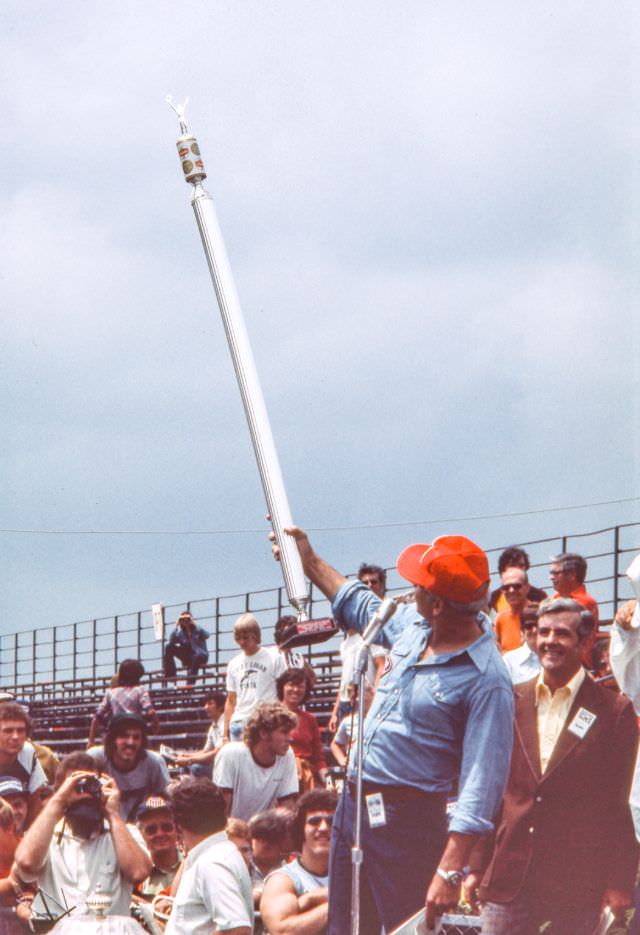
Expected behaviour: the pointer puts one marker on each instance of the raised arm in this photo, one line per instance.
(625, 651)
(319, 572)
(32, 850)
(133, 862)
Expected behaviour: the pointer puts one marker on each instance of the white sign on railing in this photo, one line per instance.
(157, 612)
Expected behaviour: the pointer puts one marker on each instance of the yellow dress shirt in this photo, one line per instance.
(552, 711)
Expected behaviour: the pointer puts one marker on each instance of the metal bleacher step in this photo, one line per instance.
(62, 721)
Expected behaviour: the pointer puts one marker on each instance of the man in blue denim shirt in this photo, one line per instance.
(441, 720)
(188, 643)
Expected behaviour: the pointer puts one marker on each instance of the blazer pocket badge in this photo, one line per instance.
(581, 722)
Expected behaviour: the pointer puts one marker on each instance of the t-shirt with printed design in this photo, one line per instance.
(253, 680)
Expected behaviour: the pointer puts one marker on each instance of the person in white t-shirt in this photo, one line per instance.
(375, 579)
(200, 763)
(349, 649)
(251, 676)
(259, 772)
(214, 894)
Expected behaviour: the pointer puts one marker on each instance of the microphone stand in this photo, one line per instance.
(384, 612)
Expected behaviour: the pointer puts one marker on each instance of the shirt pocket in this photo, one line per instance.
(428, 700)
(107, 869)
(391, 678)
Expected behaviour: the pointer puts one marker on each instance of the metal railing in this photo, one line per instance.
(93, 649)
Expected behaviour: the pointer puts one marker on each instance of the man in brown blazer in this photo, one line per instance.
(564, 844)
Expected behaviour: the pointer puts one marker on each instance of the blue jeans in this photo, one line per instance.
(235, 730)
(522, 917)
(192, 660)
(399, 862)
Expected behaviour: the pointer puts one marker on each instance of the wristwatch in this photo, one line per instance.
(452, 877)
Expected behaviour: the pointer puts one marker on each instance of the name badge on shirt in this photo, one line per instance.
(375, 810)
(581, 722)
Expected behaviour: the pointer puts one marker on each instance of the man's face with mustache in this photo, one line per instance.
(127, 747)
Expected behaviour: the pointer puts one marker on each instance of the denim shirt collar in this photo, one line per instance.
(480, 651)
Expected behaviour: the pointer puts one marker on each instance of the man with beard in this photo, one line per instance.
(138, 772)
(295, 896)
(79, 841)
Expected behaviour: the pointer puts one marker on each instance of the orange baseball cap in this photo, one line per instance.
(452, 567)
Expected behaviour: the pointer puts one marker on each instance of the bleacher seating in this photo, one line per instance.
(62, 719)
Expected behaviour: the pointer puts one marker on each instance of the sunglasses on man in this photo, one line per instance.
(165, 826)
(316, 820)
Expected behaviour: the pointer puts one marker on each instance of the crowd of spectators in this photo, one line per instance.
(237, 836)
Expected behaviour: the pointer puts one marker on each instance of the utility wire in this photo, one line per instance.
(260, 530)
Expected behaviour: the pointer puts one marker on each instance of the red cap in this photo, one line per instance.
(452, 567)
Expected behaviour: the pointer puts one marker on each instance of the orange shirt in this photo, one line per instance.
(507, 627)
(589, 603)
(499, 602)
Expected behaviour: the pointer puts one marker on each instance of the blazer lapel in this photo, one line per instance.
(526, 725)
(587, 698)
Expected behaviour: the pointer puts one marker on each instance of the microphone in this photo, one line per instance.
(383, 614)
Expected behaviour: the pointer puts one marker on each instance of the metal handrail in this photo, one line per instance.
(89, 650)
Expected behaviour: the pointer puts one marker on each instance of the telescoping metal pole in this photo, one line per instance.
(244, 364)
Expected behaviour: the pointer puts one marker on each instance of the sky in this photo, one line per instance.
(429, 212)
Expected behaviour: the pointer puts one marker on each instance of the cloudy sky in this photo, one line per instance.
(428, 208)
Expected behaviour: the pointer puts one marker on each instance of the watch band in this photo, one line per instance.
(452, 877)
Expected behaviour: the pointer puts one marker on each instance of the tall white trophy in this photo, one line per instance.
(244, 365)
